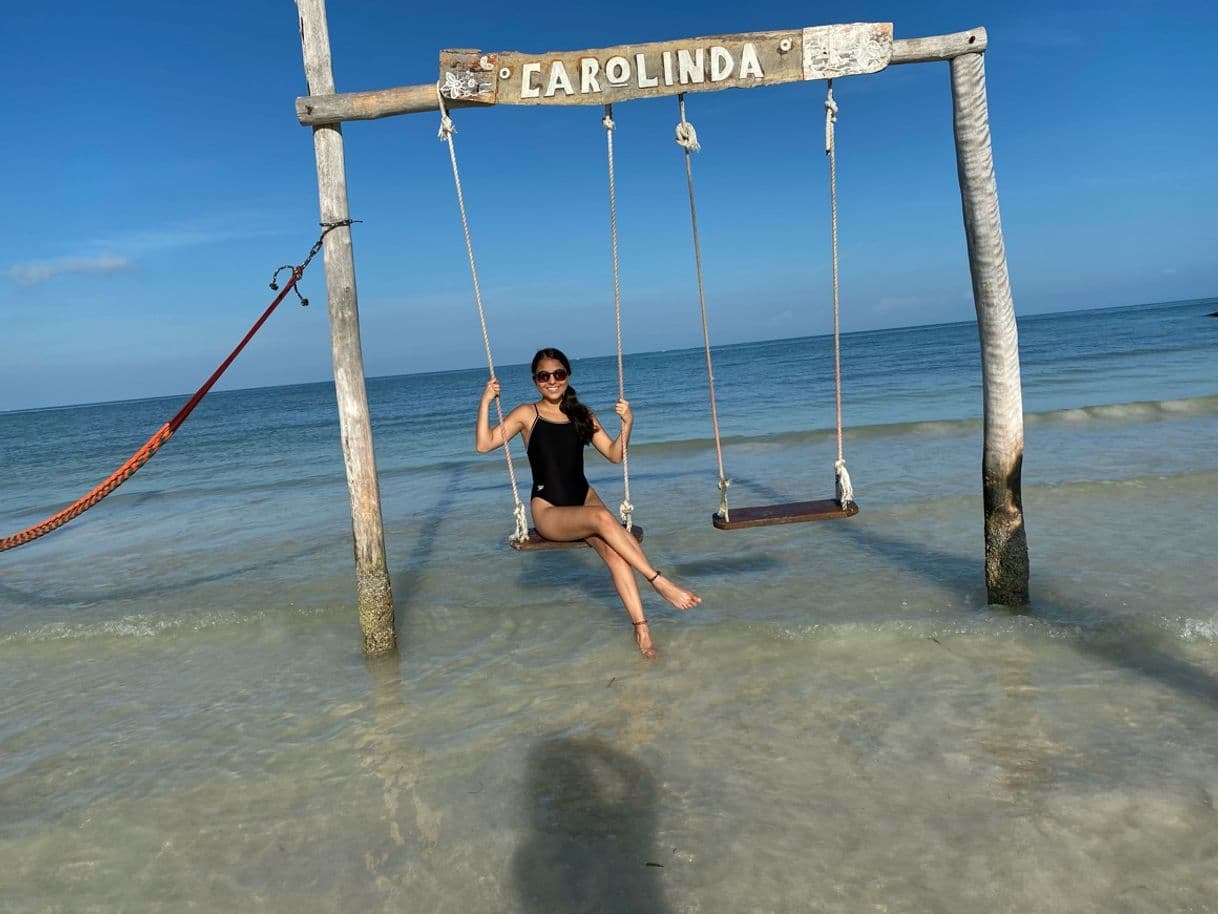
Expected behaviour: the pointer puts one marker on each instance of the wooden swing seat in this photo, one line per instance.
(796, 512)
(537, 541)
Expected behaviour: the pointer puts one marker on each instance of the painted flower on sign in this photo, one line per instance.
(463, 84)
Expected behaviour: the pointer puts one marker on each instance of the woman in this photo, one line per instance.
(565, 508)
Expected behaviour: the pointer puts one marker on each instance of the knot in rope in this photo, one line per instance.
(724, 485)
(626, 512)
(607, 120)
(447, 127)
(296, 272)
(830, 118)
(845, 489)
(326, 229)
(522, 526)
(687, 137)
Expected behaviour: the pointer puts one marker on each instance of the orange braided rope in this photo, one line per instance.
(81, 505)
(165, 432)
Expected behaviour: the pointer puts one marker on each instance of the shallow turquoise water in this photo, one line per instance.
(186, 721)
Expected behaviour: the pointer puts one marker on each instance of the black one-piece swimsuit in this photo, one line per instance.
(556, 456)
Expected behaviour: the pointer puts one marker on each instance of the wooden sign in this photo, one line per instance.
(609, 75)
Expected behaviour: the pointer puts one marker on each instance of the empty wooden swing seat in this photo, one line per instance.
(537, 541)
(796, 512)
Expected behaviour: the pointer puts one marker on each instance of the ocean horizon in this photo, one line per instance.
(679, 350)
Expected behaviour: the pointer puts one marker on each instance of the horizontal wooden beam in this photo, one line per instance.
(938, 47)
(316, 110)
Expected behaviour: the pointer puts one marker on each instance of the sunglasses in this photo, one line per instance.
(542, 376)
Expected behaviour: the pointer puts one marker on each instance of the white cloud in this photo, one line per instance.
(39, 271)
(95, 256)
(176, 236)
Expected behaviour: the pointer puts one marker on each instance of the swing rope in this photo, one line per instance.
(447, 129)
(166, 431)
(626, 509)
(687, 139)
(842, 486)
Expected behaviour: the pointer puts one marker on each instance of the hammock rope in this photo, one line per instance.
(447, 129)
(166, 431)
(687, 139)
(626, 509)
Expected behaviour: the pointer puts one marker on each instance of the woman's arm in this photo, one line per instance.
(487, 438)
(614, 449)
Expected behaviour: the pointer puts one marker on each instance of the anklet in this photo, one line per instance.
(651, 580)
(640, 622)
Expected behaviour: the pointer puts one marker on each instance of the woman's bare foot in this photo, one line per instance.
(642, 637)
(677, 596)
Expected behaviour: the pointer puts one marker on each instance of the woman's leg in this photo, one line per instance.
(592, 518)
(628, 591)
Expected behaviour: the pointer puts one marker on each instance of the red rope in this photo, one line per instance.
(176, 422)
(153, 444)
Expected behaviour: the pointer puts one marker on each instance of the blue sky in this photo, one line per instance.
(157, 175)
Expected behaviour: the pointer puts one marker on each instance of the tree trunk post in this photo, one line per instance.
(1006, 543)
(373, 590)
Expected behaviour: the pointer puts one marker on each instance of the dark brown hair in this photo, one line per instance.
(580, 415)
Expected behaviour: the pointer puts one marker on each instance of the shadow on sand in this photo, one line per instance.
(591, 840)
(406, 582)
(1150, 655)
(169, 585)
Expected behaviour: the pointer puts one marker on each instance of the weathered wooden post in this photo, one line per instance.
(1006, 542)
(371, 571)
